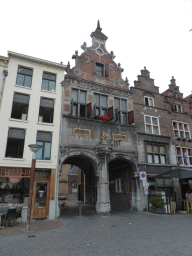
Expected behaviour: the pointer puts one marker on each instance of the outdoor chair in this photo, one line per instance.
(18, 211)
(3, 211)
(11, 217)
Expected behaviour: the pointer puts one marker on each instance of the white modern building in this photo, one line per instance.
(30, 114)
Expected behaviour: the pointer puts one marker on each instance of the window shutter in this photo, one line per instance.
(89, 109)
(186, 108)
(71, 107)
(95, 110)
(130, 117)
(173, 107)
(107, 69)
(110, 112)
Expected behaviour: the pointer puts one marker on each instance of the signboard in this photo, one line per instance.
(82, 132)
(119, 137)
(160, 182)
(146, 191)
(168, 182)
(143, 176)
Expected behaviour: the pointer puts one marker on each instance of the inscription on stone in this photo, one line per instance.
(119, 137)
(82, 132)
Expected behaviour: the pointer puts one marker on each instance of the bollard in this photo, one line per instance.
(80, 208)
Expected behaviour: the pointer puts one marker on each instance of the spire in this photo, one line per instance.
(98, 32)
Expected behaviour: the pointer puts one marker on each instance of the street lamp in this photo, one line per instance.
(34, 148)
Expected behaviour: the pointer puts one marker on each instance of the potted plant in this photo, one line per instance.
(157, 205)
(178, 138)
(184, 139)
(104, 118)
(189, 140)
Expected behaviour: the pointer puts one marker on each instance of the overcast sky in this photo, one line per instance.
(141, 33)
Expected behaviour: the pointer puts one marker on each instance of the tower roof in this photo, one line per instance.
(98, 32)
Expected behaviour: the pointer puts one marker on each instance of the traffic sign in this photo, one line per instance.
(143, 175)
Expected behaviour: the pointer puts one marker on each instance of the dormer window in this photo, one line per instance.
(149, 101)
(99, 69)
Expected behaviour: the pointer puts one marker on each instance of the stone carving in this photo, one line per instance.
(84, 46)
(121, 82)
(76, 71)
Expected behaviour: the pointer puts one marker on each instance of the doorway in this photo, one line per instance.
(41, 199)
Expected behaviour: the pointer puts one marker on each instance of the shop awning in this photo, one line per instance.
(179, 173)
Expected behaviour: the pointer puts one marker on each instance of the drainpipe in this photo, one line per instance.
(5, 73)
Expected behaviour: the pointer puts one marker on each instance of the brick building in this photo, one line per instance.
(163, 124)
(98, 131)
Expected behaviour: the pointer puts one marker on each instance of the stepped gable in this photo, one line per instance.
(97, 57)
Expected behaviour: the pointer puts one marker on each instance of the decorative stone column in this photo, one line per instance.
(103, 205)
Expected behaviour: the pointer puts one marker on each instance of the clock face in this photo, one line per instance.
(99, 51)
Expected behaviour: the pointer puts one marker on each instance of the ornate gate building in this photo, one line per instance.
(97, 127)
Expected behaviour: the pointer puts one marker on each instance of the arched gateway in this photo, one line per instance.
(98, 132)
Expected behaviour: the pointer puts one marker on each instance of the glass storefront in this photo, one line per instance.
(13, 189)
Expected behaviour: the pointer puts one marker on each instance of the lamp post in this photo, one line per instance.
(34, 148)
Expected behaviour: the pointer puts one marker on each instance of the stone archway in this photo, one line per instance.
(122, 184)
(88, 164)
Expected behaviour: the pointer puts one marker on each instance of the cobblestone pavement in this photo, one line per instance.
(122, 233)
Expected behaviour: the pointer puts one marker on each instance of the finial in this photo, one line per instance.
(83, 46)
(145, 68)
(119, 64)
(112, 55)
(173, 77)
(68, 64)
(76, 52)
(98, 25)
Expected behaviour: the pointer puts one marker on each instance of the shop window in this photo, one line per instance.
(156, 154)
(121, 110)
(184, 156)
(48, 82)
(46, 110)
(118, 185)
(78, 103)
(99, 69)
(15, 143)
(149, 101)
(152, 125)
(100, 102)
(24, 77)
(44, 139)
(181, 129)
(13, 189)
(20, 106)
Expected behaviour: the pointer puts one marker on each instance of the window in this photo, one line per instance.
(118, 185)
(20, 106)
(156, 154)
(44, 139)
(121, 110)
(184, 151)
(149, 101)
(181, 129)
(99, 69)
(100, 102)
(24, 77)
(46, 110)
(152, 125)
(49, 82)
(15, 143)
(179, 108)
(79, 103)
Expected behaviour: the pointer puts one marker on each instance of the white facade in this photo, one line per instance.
(32, 124)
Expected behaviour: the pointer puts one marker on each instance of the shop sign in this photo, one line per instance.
(14, 172)
(41, 175)
(119, 137)
(82, 132)
(14, 180)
